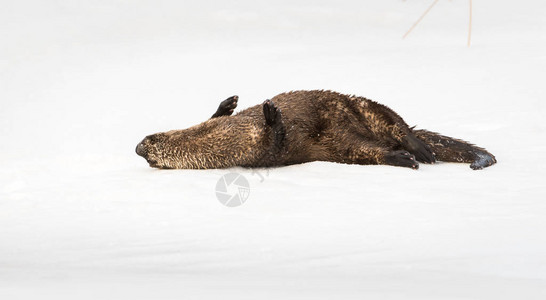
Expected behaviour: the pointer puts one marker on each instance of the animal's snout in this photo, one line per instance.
(141, 150)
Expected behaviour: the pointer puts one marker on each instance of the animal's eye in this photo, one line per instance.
(154, 138)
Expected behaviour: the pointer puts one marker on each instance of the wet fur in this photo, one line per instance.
(305, 126)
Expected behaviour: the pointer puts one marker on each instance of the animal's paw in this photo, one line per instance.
(401, 158)
(227, 107)
(422, 151)
(483, 160)
(272, 113)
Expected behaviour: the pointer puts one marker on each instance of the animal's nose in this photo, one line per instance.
(140, 150)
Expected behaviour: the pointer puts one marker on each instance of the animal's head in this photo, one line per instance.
(155, 149)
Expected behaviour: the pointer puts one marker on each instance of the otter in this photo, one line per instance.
(305, 126)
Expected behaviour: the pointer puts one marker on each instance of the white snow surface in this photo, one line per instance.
(83, 217)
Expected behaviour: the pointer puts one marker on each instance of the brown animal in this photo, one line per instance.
(313, 126)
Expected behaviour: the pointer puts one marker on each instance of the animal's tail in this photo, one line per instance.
(453, 150)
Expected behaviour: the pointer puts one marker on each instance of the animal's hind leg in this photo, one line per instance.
(386, 124)
(453, 150)
(366, 155)
(226, 107)
(401, 158)
(356, 150)
(421, 150)
(273, 118)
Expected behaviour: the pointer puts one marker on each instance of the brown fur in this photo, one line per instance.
(318, 125)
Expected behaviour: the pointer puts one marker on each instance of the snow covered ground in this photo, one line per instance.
(83, 217)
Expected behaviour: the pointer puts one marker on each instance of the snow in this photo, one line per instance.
(83, 217)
